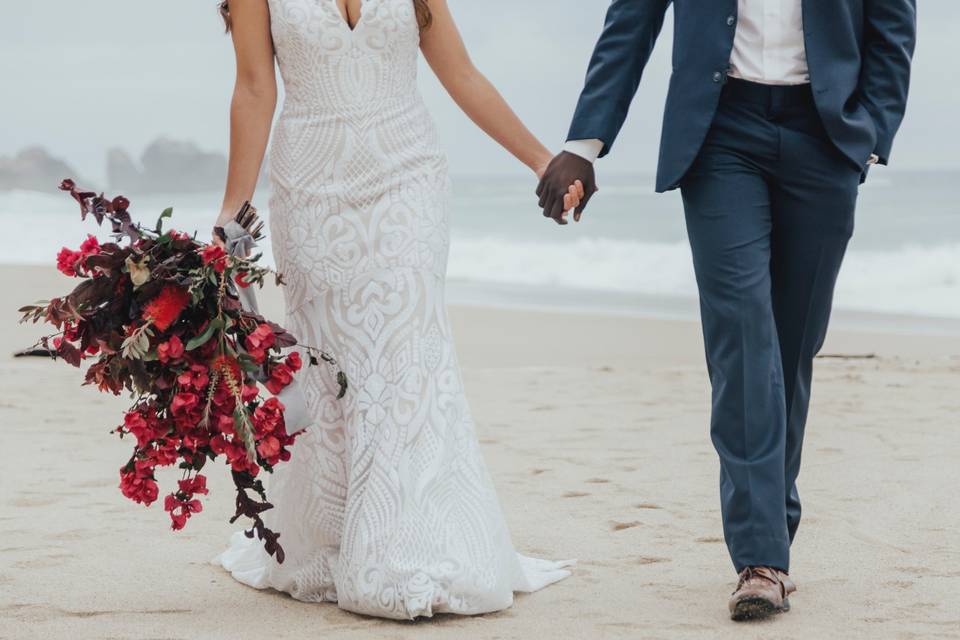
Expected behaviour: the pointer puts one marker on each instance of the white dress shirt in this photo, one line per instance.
(768, 45)
(768, 48)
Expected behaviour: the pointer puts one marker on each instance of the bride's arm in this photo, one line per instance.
(254, 102)
(444, 50)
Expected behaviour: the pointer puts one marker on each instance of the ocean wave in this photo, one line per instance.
(587, 263)
(910, 280)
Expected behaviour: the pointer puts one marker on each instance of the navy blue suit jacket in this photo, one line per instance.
(858, 54)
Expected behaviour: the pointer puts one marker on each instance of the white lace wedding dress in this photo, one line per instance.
(386, 507)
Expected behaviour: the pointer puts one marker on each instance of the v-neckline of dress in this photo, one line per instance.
(345, 19)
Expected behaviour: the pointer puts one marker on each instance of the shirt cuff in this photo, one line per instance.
(589, 150)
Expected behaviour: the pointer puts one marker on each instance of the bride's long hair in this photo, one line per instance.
(424, 17)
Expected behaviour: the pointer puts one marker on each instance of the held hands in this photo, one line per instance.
(567, 183)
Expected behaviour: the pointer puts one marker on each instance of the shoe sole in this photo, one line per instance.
(755, 609)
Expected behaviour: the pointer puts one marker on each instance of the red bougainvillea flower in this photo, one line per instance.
(178, 235)
(195, 485)
(68, 262)
(280, 376)
(268, 418)
(71, 332)
(164, 310)
(269, 448)
(294, 361)
(183, 403)
(249, 393)
(180, 510)
(195, 439)
(186, 409)
(223, 400)
(138, 484)
(90, 246)
(226, 425)
(259, 341)
(235, 453)
(171, 350)
(216, 256)
(241, 282)
(196, 377)
(163, 454)
(270, 428)
(142, 428)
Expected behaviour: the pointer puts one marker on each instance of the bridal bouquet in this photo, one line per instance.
(158, 315)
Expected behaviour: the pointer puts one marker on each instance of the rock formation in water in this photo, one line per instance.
(167, 166)
(33, 169)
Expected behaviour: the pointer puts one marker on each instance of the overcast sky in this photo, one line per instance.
(79, 77)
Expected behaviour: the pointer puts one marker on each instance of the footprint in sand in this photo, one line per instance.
(620, 526)
(648, 505)
(597, 480)
(899, 584)
(537, 472)
(574, 494)
(96, 484)
(54, 560)
(72, 534)
(650, 560)
(709, 540)
(34, 502)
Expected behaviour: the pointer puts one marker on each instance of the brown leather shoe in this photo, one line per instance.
(761, 592)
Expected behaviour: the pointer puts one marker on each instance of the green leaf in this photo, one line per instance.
(167, 213)
(38, 305)
(203, 338)
(136, 345)
(244, 429)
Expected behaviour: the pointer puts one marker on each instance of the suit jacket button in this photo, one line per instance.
(717, 76)
(731, 20)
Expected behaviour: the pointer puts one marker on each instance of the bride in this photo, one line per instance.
(386, 506)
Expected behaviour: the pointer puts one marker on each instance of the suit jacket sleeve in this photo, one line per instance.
(630, 31)
(890, 37)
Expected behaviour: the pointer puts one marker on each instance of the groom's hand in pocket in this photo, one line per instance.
(555, 186)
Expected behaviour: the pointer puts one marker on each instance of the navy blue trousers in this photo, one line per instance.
(769, 205)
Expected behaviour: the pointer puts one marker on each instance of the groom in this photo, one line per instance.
(775, 111)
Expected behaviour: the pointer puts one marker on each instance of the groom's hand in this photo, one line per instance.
(563, 171)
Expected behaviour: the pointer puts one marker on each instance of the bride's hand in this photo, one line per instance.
(215, 238)
(572, 198)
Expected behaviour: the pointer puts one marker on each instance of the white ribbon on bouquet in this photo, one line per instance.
(240, 244)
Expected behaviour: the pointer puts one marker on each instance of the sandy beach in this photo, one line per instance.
(595, 429)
